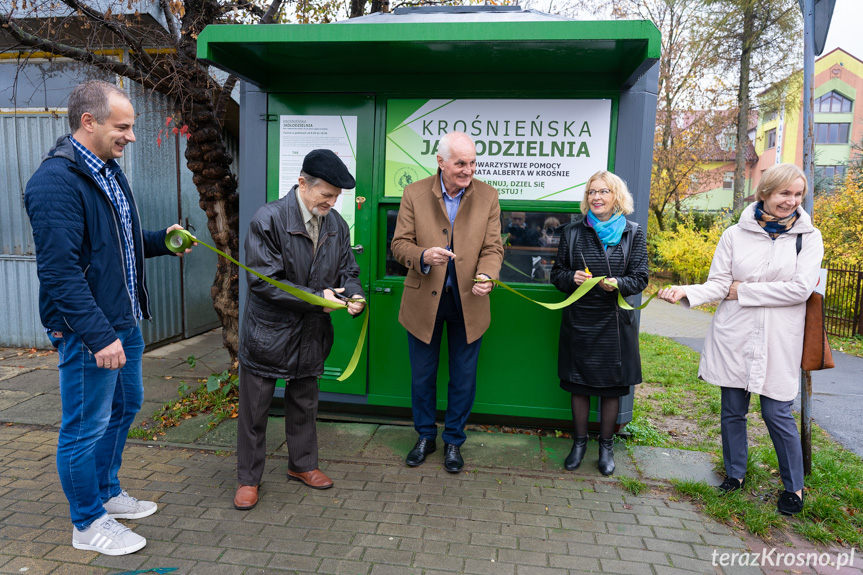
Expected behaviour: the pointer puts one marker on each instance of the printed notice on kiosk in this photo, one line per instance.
(299, 135)
(527, 149)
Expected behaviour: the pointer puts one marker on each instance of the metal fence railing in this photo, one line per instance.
(843, 300)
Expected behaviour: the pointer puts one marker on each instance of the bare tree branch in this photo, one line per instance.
(120, 31)
(245, 6)
(60, 49)
(169, 19)
(272, 11)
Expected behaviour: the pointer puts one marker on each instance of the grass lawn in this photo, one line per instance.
(849, 345)
(673, 408)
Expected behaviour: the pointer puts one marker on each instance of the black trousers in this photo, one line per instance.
(301, 413)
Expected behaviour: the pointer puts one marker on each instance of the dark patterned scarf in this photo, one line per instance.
(772, 225)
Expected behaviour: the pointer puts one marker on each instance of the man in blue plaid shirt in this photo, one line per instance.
(90, 251)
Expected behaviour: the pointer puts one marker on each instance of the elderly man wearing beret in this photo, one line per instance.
(302, 241)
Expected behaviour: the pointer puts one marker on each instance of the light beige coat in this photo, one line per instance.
(423, 223)
(756, 341)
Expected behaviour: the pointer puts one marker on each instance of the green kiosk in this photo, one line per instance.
(548, 102)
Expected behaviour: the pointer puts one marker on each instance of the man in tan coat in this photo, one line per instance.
(448, 236)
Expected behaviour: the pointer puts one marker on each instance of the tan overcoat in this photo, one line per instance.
(423, 223)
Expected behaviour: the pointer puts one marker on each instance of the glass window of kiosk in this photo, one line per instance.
(530, 240)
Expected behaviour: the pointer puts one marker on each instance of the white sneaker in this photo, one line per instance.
(107, 536)
(124, 506)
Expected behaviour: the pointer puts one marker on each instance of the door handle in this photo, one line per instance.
(358, 248)
(383, 290)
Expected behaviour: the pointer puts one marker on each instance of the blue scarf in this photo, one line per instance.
(609, 232)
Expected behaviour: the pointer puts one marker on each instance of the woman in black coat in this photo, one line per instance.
(598, 350)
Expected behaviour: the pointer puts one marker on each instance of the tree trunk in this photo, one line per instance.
(747, 42)
(357, 8)
(659, 221)
(380, 6)
(209, 161)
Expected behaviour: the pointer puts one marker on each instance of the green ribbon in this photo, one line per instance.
(180, 240)
(574, 296)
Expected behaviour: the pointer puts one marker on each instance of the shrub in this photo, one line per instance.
(840, 218)
(688, 251)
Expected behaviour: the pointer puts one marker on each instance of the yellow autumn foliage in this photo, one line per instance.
(688, 251)
(839, 216)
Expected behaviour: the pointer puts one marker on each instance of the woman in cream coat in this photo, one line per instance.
(755, 340)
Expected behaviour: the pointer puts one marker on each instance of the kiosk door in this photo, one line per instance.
(344, 123)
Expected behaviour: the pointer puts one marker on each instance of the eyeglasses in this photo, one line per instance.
(602, 192)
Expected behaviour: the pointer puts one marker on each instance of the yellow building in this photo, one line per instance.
(838, 120)
(777, 135)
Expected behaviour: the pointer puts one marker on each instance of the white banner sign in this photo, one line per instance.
(527, 149)
(299, 135)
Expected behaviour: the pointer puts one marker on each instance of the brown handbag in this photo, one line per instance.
(816, 349)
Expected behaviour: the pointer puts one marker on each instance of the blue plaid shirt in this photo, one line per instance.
(105, 175)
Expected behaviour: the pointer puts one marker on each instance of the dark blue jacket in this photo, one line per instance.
(79, 254)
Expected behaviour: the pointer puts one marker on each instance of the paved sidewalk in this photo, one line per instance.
(686, 326)
(380, 519)
(514, 511)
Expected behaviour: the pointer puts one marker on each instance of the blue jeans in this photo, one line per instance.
(99, 406)
(463, 358)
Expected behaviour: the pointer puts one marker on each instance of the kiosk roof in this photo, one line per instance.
(368, 53)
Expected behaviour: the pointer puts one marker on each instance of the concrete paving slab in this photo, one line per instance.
(556, 449)
(159, 366)
(27, 359)
(217, 360)
(32, 381)
(225, 435)
(664, 463)
(198, 346)
(10, 398)
(39, 410)
(190, 374)
(157, 388)
(514, 450)
(673, 320)
(188, 431)
(343, 440)
(147, 410)
(391, 443)
(8, 372)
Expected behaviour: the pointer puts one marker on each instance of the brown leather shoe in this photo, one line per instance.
(246, 497)
(314, 478)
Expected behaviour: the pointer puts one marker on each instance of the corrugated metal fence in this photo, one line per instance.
(25, 139)
(165, 195)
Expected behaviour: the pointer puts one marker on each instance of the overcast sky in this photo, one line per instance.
(845, 28)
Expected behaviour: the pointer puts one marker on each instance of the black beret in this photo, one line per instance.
(326, 165)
